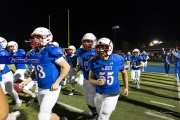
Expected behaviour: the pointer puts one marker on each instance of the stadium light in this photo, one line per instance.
(155, 42)
(114, 29)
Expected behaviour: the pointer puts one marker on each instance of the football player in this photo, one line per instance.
(84, 54)
(167, 60)
(145, 58)
(103, 73)
(127, 58)
(136, 64)
(47, 72)
(12, 47)
(72, 60)
(176, 53)
(7, 74)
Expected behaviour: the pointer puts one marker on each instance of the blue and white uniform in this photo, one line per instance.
(167, 60)
(72, 60)
(88, 88)
(108, 70)
(47, 72)
(107, 95)
(127, 60)
(20, 68)
(145, 58)
(136, 71)
(177, 63)
(7, 80)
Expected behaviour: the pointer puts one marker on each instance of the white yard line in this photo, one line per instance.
(156, 84)
(159, 116)
(178, 84)
(74, 108)
(162, 103)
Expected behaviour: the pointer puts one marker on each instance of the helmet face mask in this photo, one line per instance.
(71, 50)
(12, 46)
(88, 41)
(88, 44)
(104, 47)
(10, 49)
(136, 52)
(102, 50)
(36, 42)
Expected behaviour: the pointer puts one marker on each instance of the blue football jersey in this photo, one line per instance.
(145, 57)
(107, 70)
(4, 52)
(72, 60)
(19, 52)
(128, 57)
(47, 71)
(135, 61)
(84, 56)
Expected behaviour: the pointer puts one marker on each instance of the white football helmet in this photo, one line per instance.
(106, 44)
(55, 44)
(88, 41)
(136, 50)
(71, 49)
(15, 46)
(43, 35)
(129, 53)
(3, 42)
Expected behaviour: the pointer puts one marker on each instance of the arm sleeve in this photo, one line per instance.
(56, 53)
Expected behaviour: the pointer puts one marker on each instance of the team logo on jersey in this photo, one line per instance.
(106, 67)
(111, 63)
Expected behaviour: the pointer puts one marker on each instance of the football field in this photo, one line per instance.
(157, 99)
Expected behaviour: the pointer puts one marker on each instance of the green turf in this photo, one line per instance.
(154, 87)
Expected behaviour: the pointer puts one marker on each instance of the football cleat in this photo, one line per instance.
(18, 105)
(13, 115)
(71, 93)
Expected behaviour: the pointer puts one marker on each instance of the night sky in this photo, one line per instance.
(138, 20)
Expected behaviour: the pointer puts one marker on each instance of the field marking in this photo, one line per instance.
(178, 84)
(162, 103)
(74, 108)
(156, 84)
(156, 115)
(156, 72)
